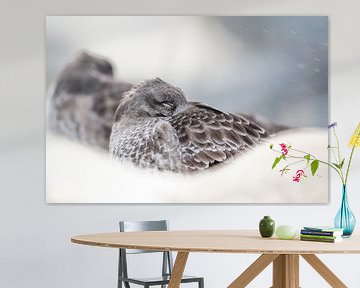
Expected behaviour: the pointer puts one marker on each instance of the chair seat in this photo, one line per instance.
(158, 280)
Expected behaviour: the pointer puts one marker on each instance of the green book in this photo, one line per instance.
(325, 240)
(319, 236)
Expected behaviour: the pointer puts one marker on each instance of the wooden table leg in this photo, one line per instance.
(178, 269)
(293, 262)
(286, 271)
(324, 271)
(253, 270)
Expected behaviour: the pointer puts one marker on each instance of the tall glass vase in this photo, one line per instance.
(345, 219)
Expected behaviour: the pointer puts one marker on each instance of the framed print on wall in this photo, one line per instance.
(183, 109)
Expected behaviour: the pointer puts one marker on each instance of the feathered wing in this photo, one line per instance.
(208, 136)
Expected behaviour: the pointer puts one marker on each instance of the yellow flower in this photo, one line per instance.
(355, 138)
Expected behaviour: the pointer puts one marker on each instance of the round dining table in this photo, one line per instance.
(283, 254)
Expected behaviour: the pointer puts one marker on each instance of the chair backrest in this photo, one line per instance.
(134, 226)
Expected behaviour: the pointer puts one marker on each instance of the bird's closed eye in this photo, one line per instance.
(167, 105)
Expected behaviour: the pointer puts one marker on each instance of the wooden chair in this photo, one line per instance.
(167, 262)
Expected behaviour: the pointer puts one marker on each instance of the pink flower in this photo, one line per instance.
(299, 174)
(284, 149)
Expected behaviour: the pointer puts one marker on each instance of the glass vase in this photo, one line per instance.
(345, 219)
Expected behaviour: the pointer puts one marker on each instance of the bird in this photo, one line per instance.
(155, 126)
(84, 99)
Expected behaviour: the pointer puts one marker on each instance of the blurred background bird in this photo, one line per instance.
(84, 99)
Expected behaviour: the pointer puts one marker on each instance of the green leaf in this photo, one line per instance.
(336, 165)
(307, 157)
(339, 166)
(342, 163)
(276, 161)
(314, 166)
(285, 170)
(271, 146)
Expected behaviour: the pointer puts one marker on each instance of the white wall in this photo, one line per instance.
(35, 248)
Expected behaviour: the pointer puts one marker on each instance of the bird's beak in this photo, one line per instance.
(181, 108)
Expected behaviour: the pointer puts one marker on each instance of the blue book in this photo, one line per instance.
(322, 231)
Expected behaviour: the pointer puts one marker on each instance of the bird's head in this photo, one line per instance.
(152, 98)
(89, 62)
(84, 75)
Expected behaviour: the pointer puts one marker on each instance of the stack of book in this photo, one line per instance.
(321, 234)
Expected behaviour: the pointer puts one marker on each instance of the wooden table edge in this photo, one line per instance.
(203, 250)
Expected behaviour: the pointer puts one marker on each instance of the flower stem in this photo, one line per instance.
(337, 143)
(350, 159)
(339, 171)
(302, 160)
(338, 149)
(323, 162)
(333, 153)
(303, 152)
(348, 167)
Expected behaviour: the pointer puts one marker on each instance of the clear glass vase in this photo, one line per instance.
(345, 219)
